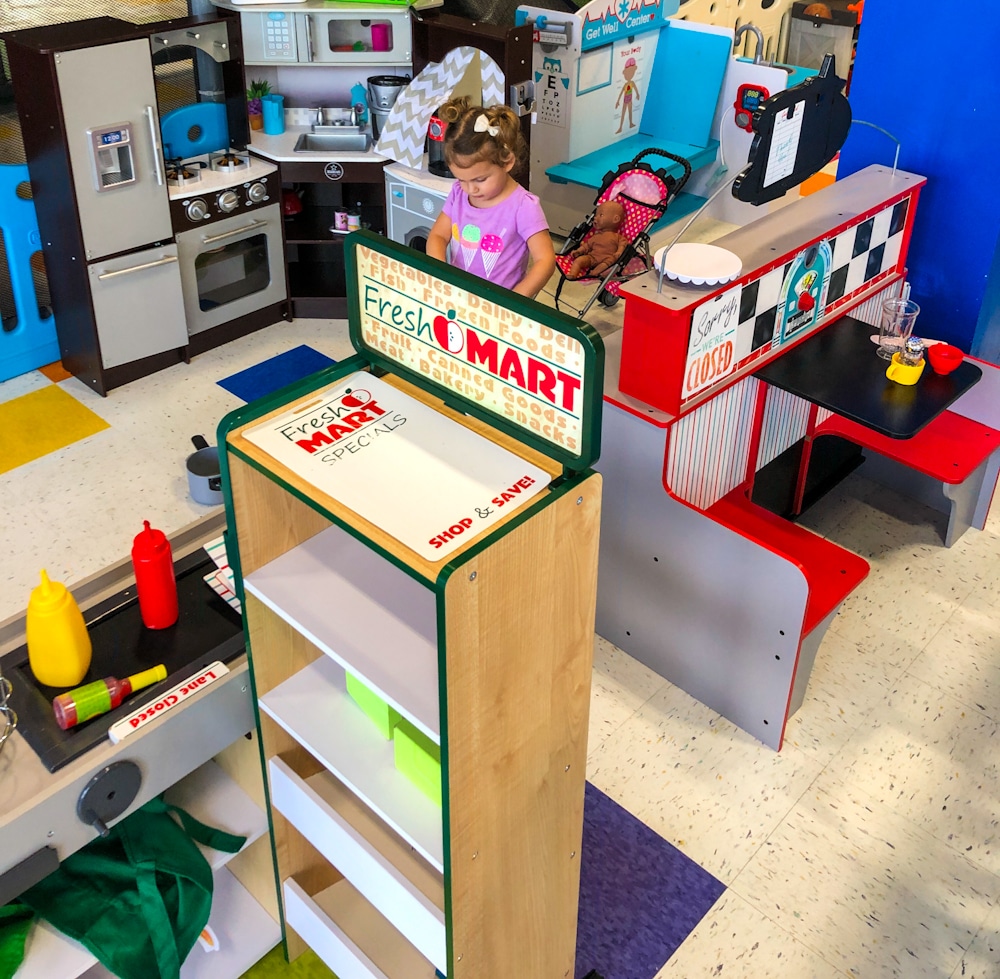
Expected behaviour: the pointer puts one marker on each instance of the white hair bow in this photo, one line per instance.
(483, 125)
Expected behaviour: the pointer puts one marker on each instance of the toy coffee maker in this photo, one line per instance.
(435, 147)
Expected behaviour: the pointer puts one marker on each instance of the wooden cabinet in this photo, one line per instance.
(487, 651)
(314, 253)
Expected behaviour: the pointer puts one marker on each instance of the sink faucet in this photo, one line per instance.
(756, 31)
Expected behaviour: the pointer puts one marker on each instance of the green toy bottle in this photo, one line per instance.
(58, 642)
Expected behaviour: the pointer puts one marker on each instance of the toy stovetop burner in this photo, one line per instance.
(229, 161)
(182, 173)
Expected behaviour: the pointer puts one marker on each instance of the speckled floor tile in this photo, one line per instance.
(985, 597)
(709, 788)
(982, 958)
(23, 384)
(903, 597)
(963, 659)
(847, 681)
(879, 896)
(935, 761)
(619, 687)
(735, 941)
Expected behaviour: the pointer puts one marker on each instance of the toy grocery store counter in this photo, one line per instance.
(64, 787)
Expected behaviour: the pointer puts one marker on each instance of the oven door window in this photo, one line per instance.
(233, 271)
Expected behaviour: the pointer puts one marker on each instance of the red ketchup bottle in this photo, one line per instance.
(155, 583)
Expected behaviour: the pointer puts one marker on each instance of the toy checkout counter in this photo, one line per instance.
(710, 385)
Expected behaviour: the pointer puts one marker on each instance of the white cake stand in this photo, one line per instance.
(699, 264)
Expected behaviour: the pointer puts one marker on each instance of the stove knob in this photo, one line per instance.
(257, 192)
(197, 210)
(228, 201)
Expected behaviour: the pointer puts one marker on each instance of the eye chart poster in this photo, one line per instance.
(423, 478)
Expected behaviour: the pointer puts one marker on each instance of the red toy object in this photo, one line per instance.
(944, 357)
(155, 583)
(748, 97)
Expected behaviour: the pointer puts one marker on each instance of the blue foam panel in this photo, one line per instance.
(640, 897)
(269, 375)
(685, 82)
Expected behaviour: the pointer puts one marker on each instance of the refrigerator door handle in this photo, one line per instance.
(150, 113)
(138, 268)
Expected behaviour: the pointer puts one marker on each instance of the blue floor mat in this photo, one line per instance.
(640, 897)
(269, 375)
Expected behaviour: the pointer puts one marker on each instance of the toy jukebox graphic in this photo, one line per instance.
(803, 293)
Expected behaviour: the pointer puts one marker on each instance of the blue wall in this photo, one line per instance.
(931, 79)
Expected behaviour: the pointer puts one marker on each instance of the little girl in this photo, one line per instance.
(492, 222)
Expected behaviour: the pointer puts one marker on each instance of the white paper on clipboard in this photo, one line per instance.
(420, 476)
(784, 143)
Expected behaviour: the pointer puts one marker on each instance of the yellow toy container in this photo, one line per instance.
(904, 373)
(58, 642)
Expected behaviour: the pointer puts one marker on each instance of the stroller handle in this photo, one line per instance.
(670, 156)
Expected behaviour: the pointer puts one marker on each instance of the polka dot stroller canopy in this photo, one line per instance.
(644, 193)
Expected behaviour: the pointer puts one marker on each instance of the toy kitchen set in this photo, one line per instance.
(162, 236)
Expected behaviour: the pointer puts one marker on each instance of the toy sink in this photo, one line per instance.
(350, 139)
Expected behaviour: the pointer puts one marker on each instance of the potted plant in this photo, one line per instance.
(257, 90)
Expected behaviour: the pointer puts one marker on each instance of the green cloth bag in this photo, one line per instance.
(15, 922)
(138, 898)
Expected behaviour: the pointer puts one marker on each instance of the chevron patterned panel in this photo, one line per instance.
(402, 137)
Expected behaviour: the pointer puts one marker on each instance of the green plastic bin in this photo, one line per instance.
(419, 759)
(382, 715)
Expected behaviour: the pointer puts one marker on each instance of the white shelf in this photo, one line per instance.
(383, 868)
(214, 799)
(350, 936)
(211, 796)
(365, 613)
(313, 706)
(246, 933)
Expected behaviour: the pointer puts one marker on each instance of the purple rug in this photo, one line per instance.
(640, 897)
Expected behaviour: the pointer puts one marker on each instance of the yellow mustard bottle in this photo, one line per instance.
(58, 642)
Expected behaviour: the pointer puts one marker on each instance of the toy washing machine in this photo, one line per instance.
(413, 200)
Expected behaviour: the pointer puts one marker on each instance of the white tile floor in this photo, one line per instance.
(868, 847)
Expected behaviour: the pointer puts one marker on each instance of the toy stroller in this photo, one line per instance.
(644, 193)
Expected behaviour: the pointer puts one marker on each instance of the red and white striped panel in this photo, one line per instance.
(709, 448)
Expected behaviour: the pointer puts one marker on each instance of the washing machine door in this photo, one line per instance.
(417, 238)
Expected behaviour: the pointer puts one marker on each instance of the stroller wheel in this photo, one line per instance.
(607, 299)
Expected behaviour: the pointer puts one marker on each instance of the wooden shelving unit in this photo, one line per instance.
(487, 650)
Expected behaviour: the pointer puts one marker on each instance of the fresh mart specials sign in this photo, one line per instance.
(474, 345)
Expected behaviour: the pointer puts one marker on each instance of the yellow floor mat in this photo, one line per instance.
(41, 422)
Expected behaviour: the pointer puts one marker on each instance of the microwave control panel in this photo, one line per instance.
(269, 36)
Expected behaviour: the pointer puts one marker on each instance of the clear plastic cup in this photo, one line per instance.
(895, 325)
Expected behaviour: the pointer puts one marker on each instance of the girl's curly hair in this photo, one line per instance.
(464, 146)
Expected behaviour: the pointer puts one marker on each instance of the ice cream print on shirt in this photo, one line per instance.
(470, 240)
(492, 242)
